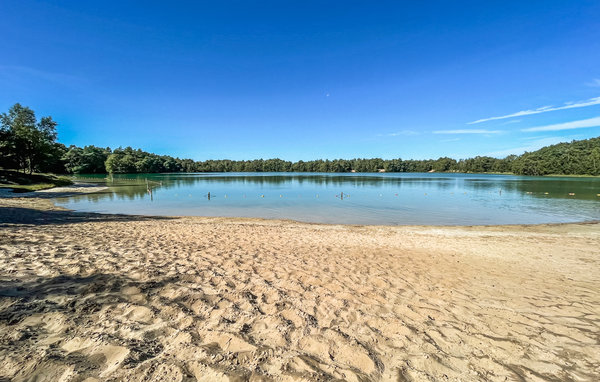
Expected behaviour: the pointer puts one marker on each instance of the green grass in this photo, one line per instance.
(574, 176)
(20, 182)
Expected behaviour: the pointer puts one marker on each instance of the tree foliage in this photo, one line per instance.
(574, 158)
(128, 160)
(87, 160)
(27, 144)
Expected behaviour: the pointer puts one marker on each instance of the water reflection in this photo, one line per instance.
(367, 198)
(135, 186)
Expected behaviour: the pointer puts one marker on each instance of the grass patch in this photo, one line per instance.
(574, 176)
(20, 182)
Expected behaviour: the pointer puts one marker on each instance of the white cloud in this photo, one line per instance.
(591, 122)
(532, 138)
(11, 71)
(544, 109)
(450, 140)
(397, 133)
(532, 146)
(595, 83)
(467, 131)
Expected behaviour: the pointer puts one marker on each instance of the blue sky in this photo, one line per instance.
(307, 79)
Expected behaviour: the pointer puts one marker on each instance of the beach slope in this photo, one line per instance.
(107, 297)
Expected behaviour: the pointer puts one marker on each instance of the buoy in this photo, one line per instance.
(597, 194)
(281, 196)
(262, 196)
(545, 193)
(571, 194)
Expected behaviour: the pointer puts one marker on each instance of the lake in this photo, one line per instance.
(381, 198)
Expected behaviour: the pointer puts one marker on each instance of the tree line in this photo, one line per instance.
(29, 145)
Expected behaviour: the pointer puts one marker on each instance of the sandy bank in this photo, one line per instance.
(54, 192)
(180, 299)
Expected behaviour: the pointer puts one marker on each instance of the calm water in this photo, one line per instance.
(413, 198)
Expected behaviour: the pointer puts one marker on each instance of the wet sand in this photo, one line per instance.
(89, 297)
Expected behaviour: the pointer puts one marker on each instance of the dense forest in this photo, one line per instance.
(30, 145)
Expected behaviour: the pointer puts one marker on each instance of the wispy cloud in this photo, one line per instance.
(399, 133)
(450, 140)
(468, 131)
(591, 122)
(544, 109)
(594, 83)
(28, 72)
(532, 146)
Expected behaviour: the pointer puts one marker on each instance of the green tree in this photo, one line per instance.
(595, 159)
(89, 160)
(29, 143)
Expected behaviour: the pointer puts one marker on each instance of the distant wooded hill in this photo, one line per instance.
(29, 145)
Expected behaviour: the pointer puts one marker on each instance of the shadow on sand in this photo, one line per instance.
(21, 215)
(40, 295)
(66, 293)
(80, 300)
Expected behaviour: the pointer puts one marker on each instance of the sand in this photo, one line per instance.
(77, 188)
(86, 297)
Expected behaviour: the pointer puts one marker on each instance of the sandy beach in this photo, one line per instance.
(89, 297)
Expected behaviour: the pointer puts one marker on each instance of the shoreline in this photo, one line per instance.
(52, 206)
(77, 188)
